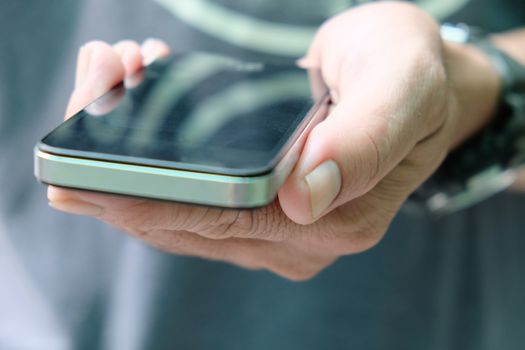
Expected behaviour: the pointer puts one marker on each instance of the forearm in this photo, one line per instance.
(475, 82)
(476, 86)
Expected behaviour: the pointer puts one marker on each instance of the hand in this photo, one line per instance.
(402, 100)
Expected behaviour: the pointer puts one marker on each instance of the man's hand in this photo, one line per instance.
(401, 100)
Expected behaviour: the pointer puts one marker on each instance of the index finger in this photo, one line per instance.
(99, 68)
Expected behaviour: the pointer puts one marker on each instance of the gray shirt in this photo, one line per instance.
(73, 283)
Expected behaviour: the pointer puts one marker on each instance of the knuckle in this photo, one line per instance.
(355, 232)
(147, 215)
(365, 166)
(226, 223)
(271, 224)
(210, 222)
(266, 223)
(216, 224)
(246, 224)
(139, 216)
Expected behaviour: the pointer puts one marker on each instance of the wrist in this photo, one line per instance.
(488, 92)
(475, 89)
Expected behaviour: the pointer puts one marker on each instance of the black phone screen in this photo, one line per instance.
(193, 111)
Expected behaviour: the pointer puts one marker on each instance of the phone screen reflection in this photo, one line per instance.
(196, 108)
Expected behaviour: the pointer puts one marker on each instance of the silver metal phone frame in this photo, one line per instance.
(172, 184)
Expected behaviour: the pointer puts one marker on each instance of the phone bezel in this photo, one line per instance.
(256, 170)
(142, 161)
(211, 189)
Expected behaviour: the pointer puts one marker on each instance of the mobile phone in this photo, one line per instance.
(195, 127)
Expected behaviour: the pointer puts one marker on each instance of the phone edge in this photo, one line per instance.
(217, 190)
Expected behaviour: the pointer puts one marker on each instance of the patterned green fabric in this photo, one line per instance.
(257, 25)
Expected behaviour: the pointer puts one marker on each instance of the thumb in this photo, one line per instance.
(344, 157)
(99, 68)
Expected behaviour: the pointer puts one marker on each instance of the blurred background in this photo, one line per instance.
(72, 283)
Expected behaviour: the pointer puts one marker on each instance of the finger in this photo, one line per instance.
(365, 136)
(153, 49)
(282, 259)
(189, 244)
(343, 158)
(130, 54)
(162, 224)
(360, 224)
(312, 247)
(99, 69)
(83, 58)
(138, 214)
(88, 203)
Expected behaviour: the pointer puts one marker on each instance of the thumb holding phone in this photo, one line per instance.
(402, 99)
(382, 112)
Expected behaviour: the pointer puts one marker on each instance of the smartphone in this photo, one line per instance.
(195, 127)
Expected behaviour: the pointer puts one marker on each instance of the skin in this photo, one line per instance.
(402, 100)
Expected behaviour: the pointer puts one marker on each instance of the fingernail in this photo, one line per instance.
(324, 184)
(77, 207)
(149, 50)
